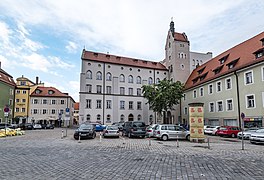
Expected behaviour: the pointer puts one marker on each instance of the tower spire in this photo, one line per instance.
(172, 29)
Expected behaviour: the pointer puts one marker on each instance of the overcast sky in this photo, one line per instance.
(45, 38)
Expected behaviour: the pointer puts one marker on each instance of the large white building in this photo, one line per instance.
(111, 88)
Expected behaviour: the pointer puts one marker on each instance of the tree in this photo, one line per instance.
(163, 96)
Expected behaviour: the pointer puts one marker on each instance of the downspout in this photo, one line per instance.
(238, 100)
(155, 83)
(104, 94)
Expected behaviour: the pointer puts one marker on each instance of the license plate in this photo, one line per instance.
(83, 134)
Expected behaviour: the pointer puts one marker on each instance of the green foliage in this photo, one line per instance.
(163, 96)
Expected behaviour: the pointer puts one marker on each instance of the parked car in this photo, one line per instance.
(246, 133)
(214, 132)
(150, 129)
(210, 129)
(230, 131)
(37, 126)
(257, 137)
(85, 131)
(170, 131)
(119, 124)
(49, 126)
(98, 126)
(3, 126)
(111, 131)
(134, 129)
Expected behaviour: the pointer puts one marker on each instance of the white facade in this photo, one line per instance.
(113, 92)
(197, 59)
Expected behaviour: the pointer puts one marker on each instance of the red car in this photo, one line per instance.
(230, 131)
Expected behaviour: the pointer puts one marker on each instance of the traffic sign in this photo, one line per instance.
(6, 109)
(6, 114)
(67, 110)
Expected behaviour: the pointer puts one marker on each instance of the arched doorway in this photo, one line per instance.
(167, 119)
(130, 117)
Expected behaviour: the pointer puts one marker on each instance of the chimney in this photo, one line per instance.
(37, 79)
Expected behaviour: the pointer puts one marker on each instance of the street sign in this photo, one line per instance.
(6, 109)
(6, 114)
(67, 110)
(242, 115)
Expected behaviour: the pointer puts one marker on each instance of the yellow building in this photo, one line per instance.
(24, 87)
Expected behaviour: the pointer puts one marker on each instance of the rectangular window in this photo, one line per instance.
(44, 101)
(17, 91)
(88, 88)
(130, 91)
(122, 90)
(53, 111)
(108, 89)
(10, 102)
(139, 104)
(211, 107)
(228, 83)
(22, 83)
(219, 86)
(122, 104)
(35, 101)
(138, 91)
(220, 106)
(249, 77)
(23, 109)
(98, 104)
(250, 99)
(23, 100)
(210, 89)
(88, 103)
(194, 94)
(184, 97)
(11, 91)
(53, 101)
(17, 109)
(99, 89)
(62, 101)
(35, 111)
(262, 72)
(130, 105)
(185, 110)
(17, 100)
(108, 104)
(24, 92)
(229, 104)
(44, 111)
(201, 91)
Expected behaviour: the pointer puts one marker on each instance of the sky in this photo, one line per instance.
(46, 38)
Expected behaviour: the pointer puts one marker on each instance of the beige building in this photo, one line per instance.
(230, 84)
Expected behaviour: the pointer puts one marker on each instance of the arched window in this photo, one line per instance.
(150, 119)
(157, 80)
(98, 75)
(138, 80)
(88, 117)
(89, 74)
(150, 80)
(98, 117)
(108, 76)
(185, 56)
(108, 117)
(130, 79)
(139, 117)
(122, 78)
(122, 118)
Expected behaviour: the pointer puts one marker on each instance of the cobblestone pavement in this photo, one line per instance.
(42, 154)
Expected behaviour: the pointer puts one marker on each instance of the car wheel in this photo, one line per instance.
(188, 138)
(94, 135)
(233, 135)
(164, 137)
(143, 137)
(76, 137)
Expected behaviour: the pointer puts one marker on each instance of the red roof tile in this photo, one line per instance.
(180, 37)
(107, 58)
(44, 92)
(6, 78)
(242, 55)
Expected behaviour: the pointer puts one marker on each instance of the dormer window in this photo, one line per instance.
(200, 71)
(259, 53)
(232, 64)
(202, 77)
(38, 91)
(195, 80)
(223, 59)
(22, 83)
(262, 40)
(218, 69)
(50, 92)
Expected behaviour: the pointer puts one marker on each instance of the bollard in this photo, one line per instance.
(177, 141)
(61, 134)
(208, 141)
(100, 137)
(79, 141)
(149, 141)
(123, 140)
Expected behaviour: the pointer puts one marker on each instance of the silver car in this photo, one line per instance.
(111, 131)
(170, 131)
(257, 137)
(150, 130)
(246, 133)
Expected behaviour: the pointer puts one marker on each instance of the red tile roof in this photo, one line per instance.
(6, 78)
(180, 37)
(107, 58)
(44, 92)
(241, 55)
(76, 106)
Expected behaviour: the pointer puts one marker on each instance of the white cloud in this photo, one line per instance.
(72, 47)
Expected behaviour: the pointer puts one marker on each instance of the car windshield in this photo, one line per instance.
(223, 128)
(86, 126)
(139, 124)
(112, 128)
(260, 131)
